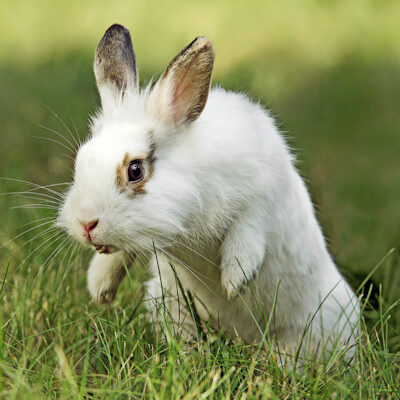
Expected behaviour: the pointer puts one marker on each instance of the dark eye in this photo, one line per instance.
(135, 171)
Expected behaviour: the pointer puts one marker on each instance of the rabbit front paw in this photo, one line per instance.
(104, 276)
(235, 281)
(101, 290)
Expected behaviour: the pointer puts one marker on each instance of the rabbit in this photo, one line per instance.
(201, 182)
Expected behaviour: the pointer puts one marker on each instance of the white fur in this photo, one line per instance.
(104, 276)
(224, 204)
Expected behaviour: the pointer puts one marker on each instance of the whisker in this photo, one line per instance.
(36, 205)
(199, 273)
(48, 230)
(59, 194)
(33, 222)
(35, 196)
(27, 193)
(42, 244)
(68, 251)
(181, 263)
(77, 141)
(74, 249)
(55, 252)
(56, 184)
(58, 142)
(186, 246)
(51, 258)
(33, 184)
(26, 231)
(56, 115)
(141, 257)
(72, 148)
(188, 267)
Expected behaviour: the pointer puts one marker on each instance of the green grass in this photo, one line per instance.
(330, 72)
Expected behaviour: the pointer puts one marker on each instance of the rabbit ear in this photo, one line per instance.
(115, 66)
(181, 93)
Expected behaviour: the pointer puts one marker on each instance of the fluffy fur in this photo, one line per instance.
(224, 207)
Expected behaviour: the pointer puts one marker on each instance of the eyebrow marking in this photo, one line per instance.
(121, 172)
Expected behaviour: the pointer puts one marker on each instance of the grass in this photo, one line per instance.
(330, 72)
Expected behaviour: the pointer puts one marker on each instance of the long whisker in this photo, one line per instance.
(36, 205)
(58, 184)
(56, 251)
(74, 249)
(195, 252)
(35, 196)
(77, 141)
(51, 239)
(56, 115)
(32, 184)
(28, 193)
(48, 230)
(72, 148)
(67, 251)
(188, 268)
(51, 257)
(26, 231)
(196, 274)
(33, 222)
(186, 246)
(58, 142)
(181, 263)
(141, 257)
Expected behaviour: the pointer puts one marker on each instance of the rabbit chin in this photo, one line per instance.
(98, 246)
(105, 249)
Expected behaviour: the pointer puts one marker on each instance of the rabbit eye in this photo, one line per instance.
(135, 171)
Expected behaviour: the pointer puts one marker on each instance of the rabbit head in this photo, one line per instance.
(127, 186)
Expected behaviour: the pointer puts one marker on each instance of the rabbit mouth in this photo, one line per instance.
(105, 249)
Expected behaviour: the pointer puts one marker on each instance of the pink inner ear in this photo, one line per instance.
(182, 95)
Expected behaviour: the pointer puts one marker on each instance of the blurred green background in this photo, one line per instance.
(328, 70)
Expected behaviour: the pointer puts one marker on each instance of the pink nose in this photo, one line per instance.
(90, 226)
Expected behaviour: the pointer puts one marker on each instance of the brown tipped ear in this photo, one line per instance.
(115, 65)
(181, 93)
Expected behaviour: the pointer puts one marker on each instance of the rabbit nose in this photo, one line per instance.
(90, 225)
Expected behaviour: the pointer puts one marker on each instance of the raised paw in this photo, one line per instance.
(101, 292)
(233, 284)
(106, 297)
(104, 278)
(235, 281)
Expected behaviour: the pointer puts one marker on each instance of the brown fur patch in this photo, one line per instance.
(122, 173)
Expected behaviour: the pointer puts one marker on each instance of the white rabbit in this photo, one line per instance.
(202, 182)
